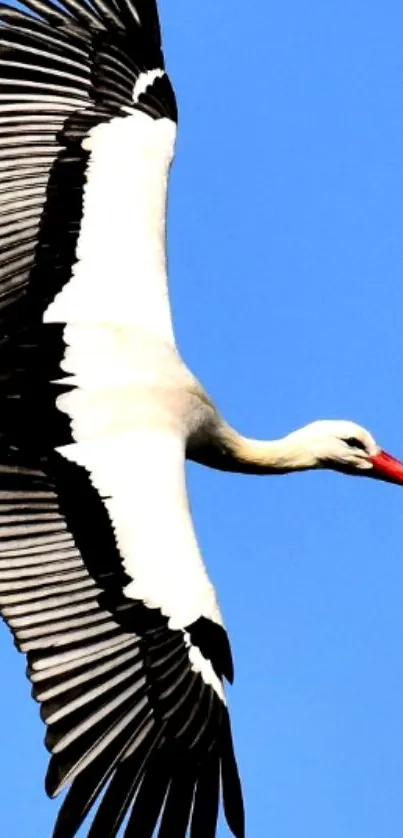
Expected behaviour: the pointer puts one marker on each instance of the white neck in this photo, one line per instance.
(230, 451)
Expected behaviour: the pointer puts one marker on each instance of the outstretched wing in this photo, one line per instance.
(131, 705)
(100, 577)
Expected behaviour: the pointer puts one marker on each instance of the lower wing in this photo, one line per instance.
(127, 705)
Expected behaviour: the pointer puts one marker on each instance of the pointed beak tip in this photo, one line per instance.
(387, 468)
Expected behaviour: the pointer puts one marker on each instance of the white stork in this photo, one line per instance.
(101, 579)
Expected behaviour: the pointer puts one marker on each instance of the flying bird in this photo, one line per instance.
(101, 579)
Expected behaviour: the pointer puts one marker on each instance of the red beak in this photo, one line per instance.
(387, 468)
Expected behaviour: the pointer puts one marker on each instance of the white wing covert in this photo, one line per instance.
(128, 668)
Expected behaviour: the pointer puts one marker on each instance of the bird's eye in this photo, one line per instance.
(353, 442)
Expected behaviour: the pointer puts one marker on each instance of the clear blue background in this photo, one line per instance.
(286, 259)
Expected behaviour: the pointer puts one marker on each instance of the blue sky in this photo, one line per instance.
(286, 261)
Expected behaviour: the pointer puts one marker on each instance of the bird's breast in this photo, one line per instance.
(122, 380)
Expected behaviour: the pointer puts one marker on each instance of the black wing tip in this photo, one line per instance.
(230, 782)
(180, 788)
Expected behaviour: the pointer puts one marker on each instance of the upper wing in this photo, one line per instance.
(131, 705)
(87, 131)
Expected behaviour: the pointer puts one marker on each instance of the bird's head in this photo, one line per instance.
(346, 447)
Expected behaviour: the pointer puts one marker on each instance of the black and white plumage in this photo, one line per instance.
(101, 582)
(101, 578)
